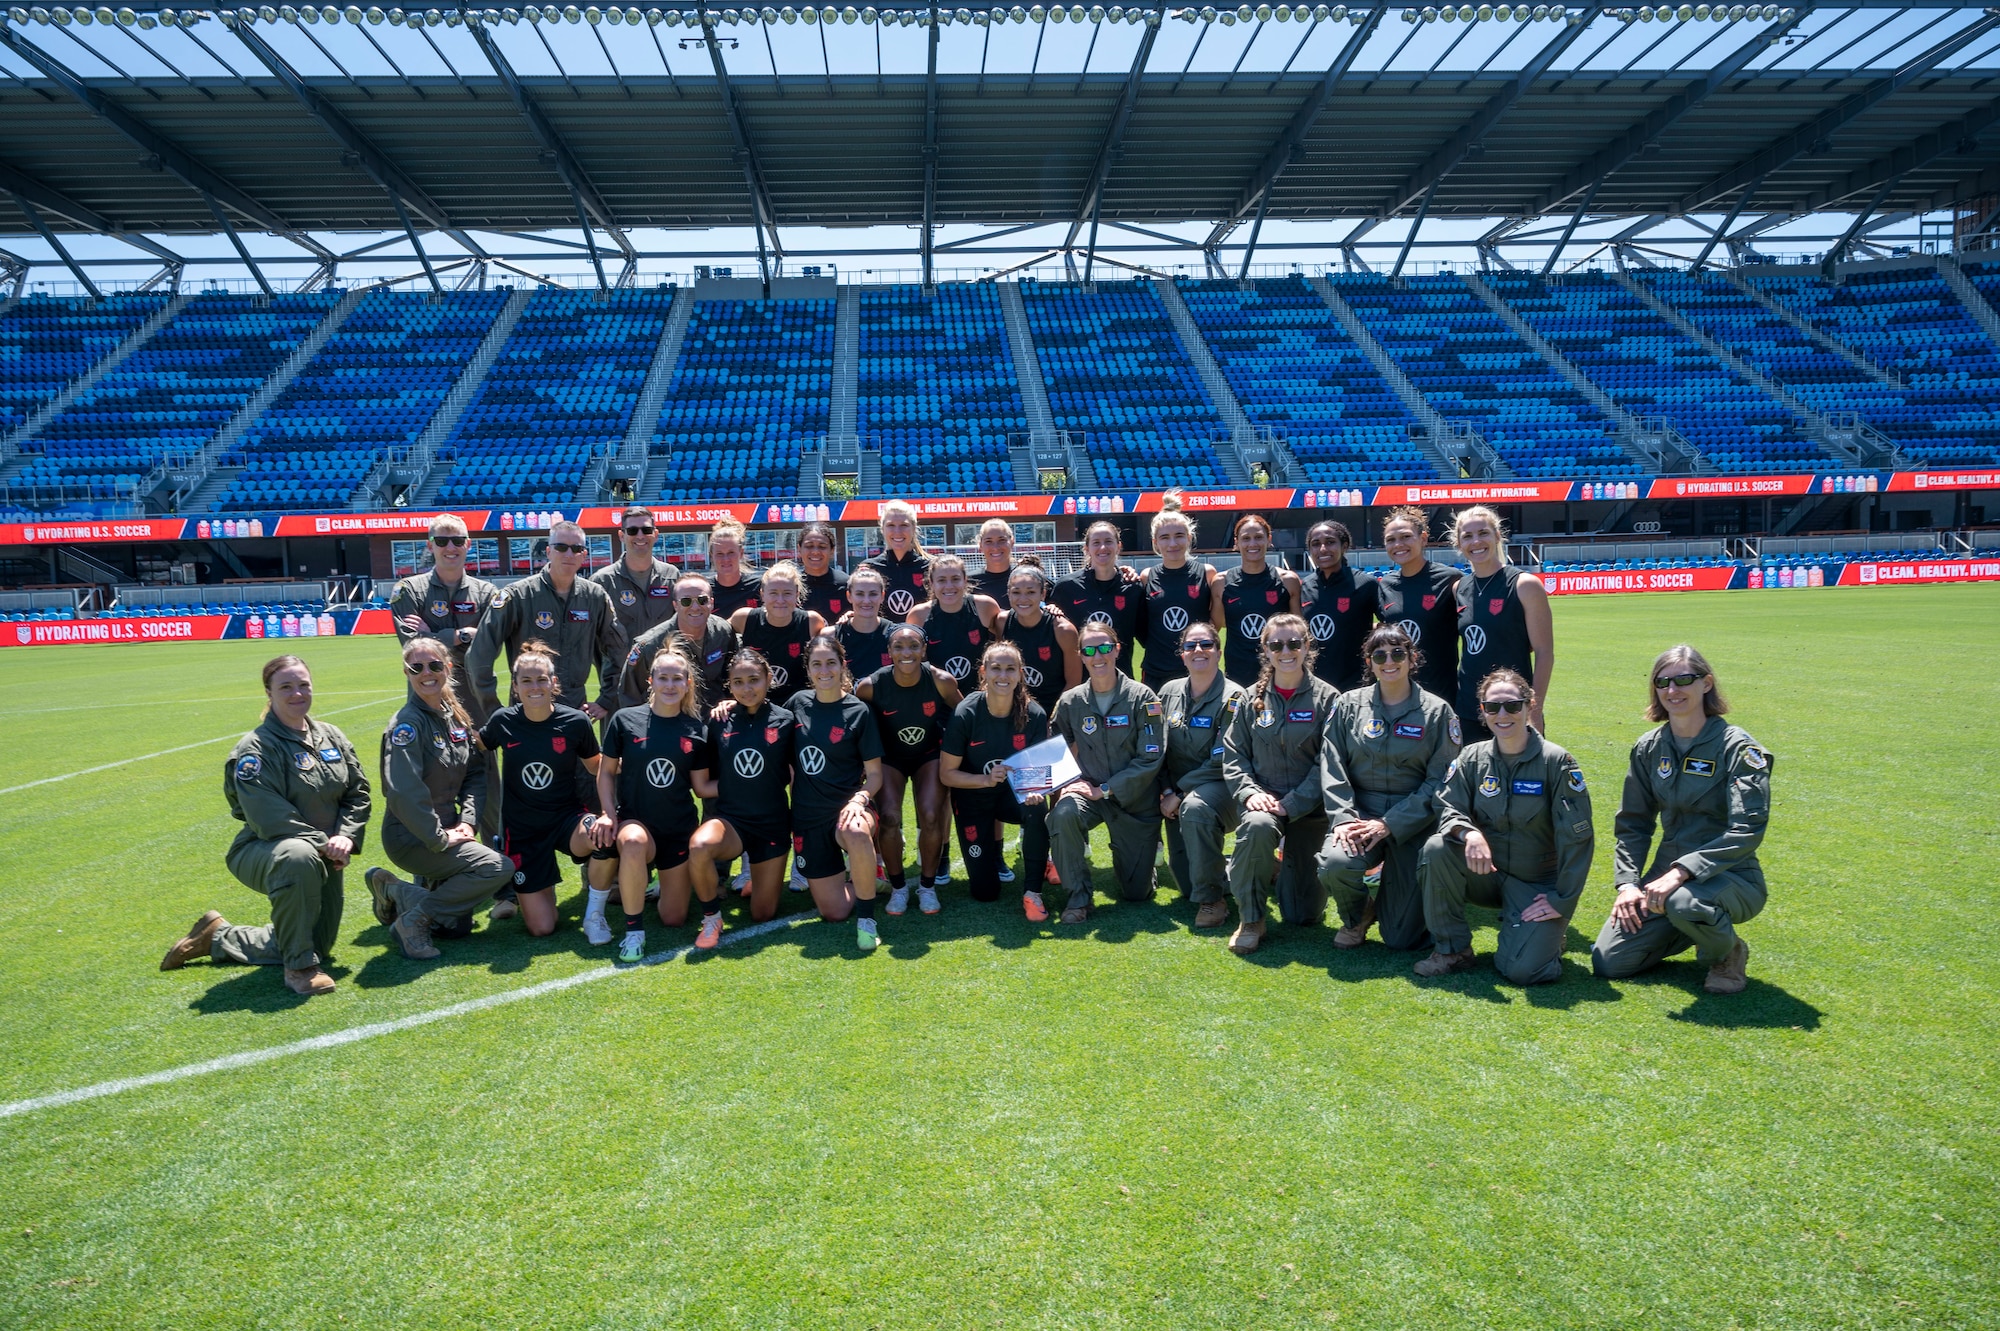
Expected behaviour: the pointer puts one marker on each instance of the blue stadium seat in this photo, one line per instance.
(936, 390)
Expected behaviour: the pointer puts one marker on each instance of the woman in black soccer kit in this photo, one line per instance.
(996, 562)
(912, 701)
(1339, 604)
(988, 728)
(1178, 592)
(863, 633)
(902, 563)
(1503, 620)
(734, 585)
(751, 816)
(1104, 593)
(836, 775)
(780, 629)
(823, 582)
(543, 750)
(656, 760)
(1048, 642)
(1421, 598)
(1252, 592)
(957, 622)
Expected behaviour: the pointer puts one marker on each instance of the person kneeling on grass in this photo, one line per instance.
(985, 730)
(1114, 729)
(1513, 832)
(434, 782)
(298, 789)
(656, 760)
(836, 773)
(751, 744)
(1708, 785)
(544, 751)
(1197, 806)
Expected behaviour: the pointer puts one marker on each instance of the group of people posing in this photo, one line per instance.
(1376, 742)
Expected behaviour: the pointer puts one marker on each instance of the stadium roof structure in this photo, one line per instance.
(487, 132)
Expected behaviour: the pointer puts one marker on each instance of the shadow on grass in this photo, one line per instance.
(252, 989)
(1762, 1006)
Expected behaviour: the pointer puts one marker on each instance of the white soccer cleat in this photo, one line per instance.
(799, 883)
(899, 900)
(596, 929)
(741, 883)
(927, 901)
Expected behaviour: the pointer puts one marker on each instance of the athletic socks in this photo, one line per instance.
(635, 924)
(865, 909)
(898, 879)
(599, 898)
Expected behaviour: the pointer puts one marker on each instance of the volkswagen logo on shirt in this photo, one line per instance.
(1322, 627)
(748, 762)
(779, 675)
(900, 602)
(1253, 626)
(1033, 676)
(959, 667)
(912, 736)
(538, 776)
(1175, 619)
(1098, 617)
(660, 773)
(1414, 629)
(1475, 640)
(812, 760)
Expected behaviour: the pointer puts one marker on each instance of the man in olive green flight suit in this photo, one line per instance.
(1114, 729)
(1531, 811)
(571, 614)
(445, 602)
(641, 587)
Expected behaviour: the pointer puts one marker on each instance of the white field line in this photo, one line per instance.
(334, 1039)
(181, 748)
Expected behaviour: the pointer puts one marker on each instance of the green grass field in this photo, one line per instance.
(990, 1124)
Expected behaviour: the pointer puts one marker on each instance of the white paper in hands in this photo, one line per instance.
(1046, 767)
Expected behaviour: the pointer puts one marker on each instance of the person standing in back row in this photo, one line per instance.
(1252, 592)
(1339, 603)
(996, 564)
(1503, 620)
(903, 562)
(570, 613)
(780, 629)
(1421, 598)
(731, 583)
(1105, 593)
(641, 587)
(1178, 591)
(823, 583)
(445, 602)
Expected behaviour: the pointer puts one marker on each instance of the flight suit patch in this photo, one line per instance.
(544, 620)
(1527, 787)
(1409, 730)
(1452, 728)
(626, 598)
(302, 760)
(1579, 829)
(1666, 768)
(1490, 786)
(1152, 709)
(1114, 722)
(1152, 748)
(1376, 728)
(330, 753)
(248, 766)
(1090, 725)
(1576, 779)
(1301, 714)
(661, 593)
(579, 616)
(465, 607)
(402, 734)
(1202, 722)
(1215, 752)
(1698, 767)
(1754, 757)
(499, 598)
(439, 609)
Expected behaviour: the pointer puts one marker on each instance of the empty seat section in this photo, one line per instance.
(1472, 368)
(560, 392)
(1117, 372)
(1908, 321)
(47, 343)
(936, 390)
(1650, 368)
(1295, 369)
(173, 394)
(373, 387)
(752, 390)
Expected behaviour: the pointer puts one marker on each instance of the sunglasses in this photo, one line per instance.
(1198, 645)
(453, 541)
(1100, 649)
(1286, 644)
(566, 548)
(694, 600)
(419, 667)
(1511, 706)
(1681, 681)
(640, 531)
(1384, 655)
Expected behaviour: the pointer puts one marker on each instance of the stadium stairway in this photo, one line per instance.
(424, 453)
(1814, 335)
(11, 458)
(1440, 430)
(1817, 427)
(632, 458)
(1227, 452)
(842, 407)
(204, 483)
(1976, 304)
(1035, 397)
(1671, 453)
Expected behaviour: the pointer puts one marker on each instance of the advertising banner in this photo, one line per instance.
(194, 628)
(1645, 580)
(92, 532)
(1915, 571)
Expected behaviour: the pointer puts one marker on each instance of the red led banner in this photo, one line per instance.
(1729, 487)
(1640, 580)
(1474, 492)
(1903, 572)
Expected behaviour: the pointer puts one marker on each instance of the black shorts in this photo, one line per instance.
(534, 849)
(759, 843)
(670, 844)
(818, 848)
(911, 761)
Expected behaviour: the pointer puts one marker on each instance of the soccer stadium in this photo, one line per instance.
(1351, 453)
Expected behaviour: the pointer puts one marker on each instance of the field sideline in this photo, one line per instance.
(992, 1124)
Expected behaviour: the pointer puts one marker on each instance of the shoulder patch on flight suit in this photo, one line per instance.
(1376, 728)
(1454, 730)
(402, 734)
(248, 766)
(1754, 757)
(1451, 769)
(1698, 766)
(1579, 829)
(499, 598)
(1234, 701)
(1576, 779)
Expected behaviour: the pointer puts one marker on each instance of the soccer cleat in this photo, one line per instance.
(308, 981)
(1445, 963)
(596, 929)
(1731, 974)
(711, 932)
(1372, 877)
(1031, 902)
(799, 883)
(1050, 876)
(865, 936)
(652, 887)
(1211, 914)
(380, 882)
(413, 936)
(927, 901)
(1006, 872)
(1355, 934)
(197, 942)
(506, 908)
(899, 900)
(1246, 938)
(632, 947)
(741, 883)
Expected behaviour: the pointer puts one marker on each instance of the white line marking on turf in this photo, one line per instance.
(334, 1039)
(182, 748)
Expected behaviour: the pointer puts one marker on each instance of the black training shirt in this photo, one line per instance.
(833, 741)
(542, 763)
(657, 756)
